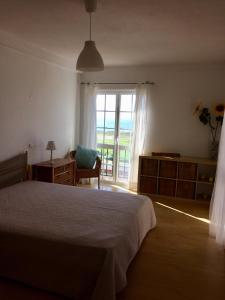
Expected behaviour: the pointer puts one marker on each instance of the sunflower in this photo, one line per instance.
(198, 109)
(219, 109)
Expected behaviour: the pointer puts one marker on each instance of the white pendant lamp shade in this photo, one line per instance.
(90, 59)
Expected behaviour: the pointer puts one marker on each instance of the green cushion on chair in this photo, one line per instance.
(85, 158)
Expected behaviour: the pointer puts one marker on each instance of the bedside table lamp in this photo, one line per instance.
(51, 146)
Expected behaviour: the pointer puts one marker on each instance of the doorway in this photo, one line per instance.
(115, 115)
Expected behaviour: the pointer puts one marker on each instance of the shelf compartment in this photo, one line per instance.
(168, 169)
(187, 171)
(167, 187)
(206, 173)
(205, 182)
(148, 185)
(149, 167)
(185, 189)
(204, 191)
(42, 173)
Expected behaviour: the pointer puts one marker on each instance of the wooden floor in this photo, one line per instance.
(177, 261)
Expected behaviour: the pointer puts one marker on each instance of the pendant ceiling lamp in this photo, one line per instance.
(90, 59)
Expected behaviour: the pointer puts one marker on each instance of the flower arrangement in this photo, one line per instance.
(213, 119)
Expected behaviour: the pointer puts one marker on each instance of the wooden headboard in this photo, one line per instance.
(13, 170)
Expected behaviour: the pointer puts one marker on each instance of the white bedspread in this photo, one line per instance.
(69, 240)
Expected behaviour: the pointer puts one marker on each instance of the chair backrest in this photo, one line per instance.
(98, 160)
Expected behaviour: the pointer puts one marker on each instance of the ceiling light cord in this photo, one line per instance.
(90, 25)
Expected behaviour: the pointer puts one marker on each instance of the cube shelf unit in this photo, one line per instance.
(181, 177)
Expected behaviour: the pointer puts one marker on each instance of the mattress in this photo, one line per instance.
(72, 241)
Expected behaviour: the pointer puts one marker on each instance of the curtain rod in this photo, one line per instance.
(146, 82)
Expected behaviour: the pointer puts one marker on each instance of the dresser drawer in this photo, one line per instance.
(67, 181)
(59, 170)
(69, 167)
(64, 175)
(62, 169)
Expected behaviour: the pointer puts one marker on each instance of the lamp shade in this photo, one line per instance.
(90, 5)
(50, 145)
(90, 59)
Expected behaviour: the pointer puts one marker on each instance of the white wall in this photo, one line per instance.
(177, 89)
(37, 104)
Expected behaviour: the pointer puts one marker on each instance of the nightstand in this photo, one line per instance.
(56, 171)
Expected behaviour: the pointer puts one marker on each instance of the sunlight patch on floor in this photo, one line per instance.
(123, 189)
(184, 213)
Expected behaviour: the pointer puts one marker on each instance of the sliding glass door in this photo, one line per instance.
(115, 112)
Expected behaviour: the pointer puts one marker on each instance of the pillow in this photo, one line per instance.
(85, 158)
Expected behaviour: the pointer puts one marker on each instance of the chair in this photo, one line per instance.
(86, 173)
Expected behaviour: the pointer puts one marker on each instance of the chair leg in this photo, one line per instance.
(99, 182)
(76, 181)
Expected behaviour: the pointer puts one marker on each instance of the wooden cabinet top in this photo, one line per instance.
(196, 160)
(58, 162)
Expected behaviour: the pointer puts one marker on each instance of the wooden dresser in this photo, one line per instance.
(56, 171)
(182, 177)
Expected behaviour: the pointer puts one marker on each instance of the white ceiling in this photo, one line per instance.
(127, 32)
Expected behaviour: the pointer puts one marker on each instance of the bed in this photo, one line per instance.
(68, 240)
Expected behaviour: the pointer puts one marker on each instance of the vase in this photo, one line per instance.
(213, 151)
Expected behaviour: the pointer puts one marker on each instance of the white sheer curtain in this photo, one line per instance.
(88, 116)
(141, 121)
(217, 206)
